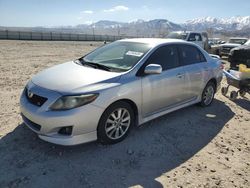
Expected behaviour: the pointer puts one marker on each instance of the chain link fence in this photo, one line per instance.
(55, 36)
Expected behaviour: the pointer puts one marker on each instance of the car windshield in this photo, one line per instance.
(237, 41)
(118, 56)
(182, 36)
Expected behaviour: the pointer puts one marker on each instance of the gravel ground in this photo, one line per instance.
(192, 147)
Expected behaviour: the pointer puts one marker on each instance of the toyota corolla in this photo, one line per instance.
(101, 95)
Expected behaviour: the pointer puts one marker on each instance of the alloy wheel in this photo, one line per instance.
(118, 123)
(208, 95)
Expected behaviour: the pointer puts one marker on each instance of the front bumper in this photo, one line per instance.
(225, 51)
(70, 141)
(46, 123)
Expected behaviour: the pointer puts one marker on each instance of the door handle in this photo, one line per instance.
(206, 69)
(179, 75)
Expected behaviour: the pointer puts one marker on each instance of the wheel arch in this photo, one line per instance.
(214, 81)
(101, 132)
(132, 104)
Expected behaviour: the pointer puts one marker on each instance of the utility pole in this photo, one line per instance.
(118, 30)
(93, 31)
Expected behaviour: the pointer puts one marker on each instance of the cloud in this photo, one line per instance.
(87, 12)
(117, 8)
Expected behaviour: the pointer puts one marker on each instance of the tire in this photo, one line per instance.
(242, 93)
(208, 94)
(233, 95)
(217, 52)
(115, 123)
(224, 91)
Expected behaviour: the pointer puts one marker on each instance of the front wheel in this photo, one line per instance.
(208, 94)
(115, 123)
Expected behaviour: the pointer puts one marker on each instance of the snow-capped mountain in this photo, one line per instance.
(151, 24)
(107, 24)
(238, 25)
(231, 24)
(162, 26)
(134, 28)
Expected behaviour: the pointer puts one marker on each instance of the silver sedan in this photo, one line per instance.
(122, 84)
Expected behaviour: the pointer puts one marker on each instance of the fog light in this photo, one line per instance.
(66, 130)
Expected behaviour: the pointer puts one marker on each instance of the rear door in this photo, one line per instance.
(195, 69)
(160, 91)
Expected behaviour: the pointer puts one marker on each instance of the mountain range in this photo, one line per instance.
(238, 26)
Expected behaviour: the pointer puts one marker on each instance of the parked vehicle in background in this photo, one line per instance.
(125, 83)
(240, 55)
(222, 42)
(199, 38)
(224, 49)
(214, 45)
(213, 41)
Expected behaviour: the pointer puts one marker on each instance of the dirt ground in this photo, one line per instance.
(192, 147)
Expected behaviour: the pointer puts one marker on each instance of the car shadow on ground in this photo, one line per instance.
(243, 103)
(147, 153)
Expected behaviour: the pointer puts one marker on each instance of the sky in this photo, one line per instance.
(25, 13)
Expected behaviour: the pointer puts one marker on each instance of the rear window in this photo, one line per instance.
(182, 36)
(237, 41)
(194, 37)
(190, 55)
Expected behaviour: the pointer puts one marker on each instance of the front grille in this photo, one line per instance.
(35, 99)
(226, 49)
(31, 124)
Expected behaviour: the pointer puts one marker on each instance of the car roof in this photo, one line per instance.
(187, 32)
(154, 41)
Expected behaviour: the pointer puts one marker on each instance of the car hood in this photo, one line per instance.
(71, 77)
(243, 47)
(232, 45)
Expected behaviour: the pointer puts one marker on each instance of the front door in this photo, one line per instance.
(160, 91)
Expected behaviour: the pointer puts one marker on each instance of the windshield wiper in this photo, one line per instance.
(99, 66)
(95, 65)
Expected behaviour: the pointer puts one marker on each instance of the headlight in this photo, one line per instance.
(69, 102)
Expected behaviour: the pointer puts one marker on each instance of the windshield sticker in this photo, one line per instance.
(132, 53)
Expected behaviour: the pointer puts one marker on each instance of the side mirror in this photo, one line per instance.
(153, 69)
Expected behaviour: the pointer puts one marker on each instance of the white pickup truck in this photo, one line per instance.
(199, 38)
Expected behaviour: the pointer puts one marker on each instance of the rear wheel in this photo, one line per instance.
(115, 123)
(208, 94)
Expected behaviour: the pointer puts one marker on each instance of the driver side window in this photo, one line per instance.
(166, 56)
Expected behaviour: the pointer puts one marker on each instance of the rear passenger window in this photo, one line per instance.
(165, 56)
(190, 55)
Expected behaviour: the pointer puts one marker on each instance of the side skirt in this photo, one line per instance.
(168, 110)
